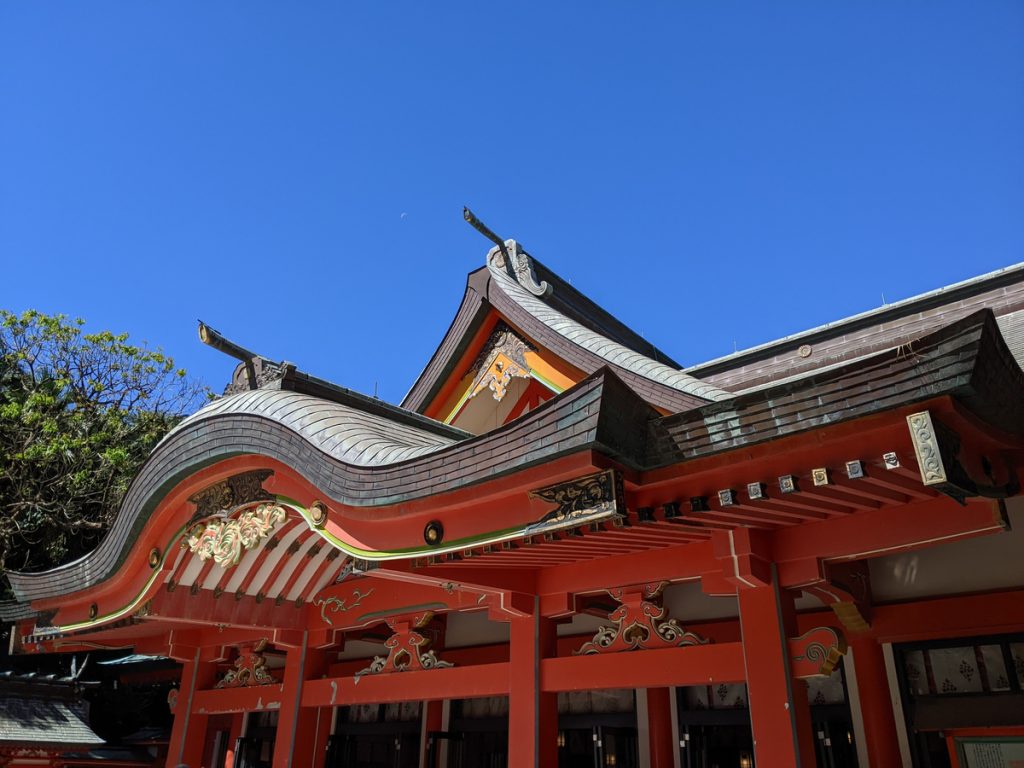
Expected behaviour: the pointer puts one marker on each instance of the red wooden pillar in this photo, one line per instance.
(433, 713)
(237, 722)
(779, 713)
(659, 727)
(188, 734)
(532, 712)
(302, 732)
(872, 684)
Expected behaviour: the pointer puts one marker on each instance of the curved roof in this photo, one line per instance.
(357, 457)
(596, 343)
(561, 319)
(348, 434)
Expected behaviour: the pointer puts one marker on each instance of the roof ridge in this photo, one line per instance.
(519, 283)
(970, 285)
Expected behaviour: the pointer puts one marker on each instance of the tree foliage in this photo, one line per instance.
(79, 414)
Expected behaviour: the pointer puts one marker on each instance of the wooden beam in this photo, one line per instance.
(452, 683)
(690, 665)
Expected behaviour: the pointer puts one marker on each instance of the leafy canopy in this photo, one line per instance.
(79, 414)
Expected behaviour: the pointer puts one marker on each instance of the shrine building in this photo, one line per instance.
(564, 549)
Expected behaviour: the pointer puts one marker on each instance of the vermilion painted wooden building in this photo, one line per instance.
(562, 549)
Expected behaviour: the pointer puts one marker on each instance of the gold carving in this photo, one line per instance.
(225, 540)
(341, 605)
(583, 500)
(503, 357)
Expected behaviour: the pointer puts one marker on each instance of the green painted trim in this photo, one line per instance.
(492, 537)
(549, 384)
(138, 599)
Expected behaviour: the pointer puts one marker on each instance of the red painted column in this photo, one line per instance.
(880, 737)
(432, 720)
(659, 725)
(532, 713)
(301, 731)
(779, 712)
(237, 721)
(188, 734)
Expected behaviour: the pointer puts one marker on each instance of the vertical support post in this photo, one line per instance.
(659, 727)
(301, 736)
(237, 722)
(871, 703)
(188, 734)
(432, 721)
(779, 712)
(533, 713)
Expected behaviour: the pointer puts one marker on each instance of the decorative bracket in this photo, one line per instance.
(250, 669)
(584, 500)
(407, 647)
(941, 461)
(639, 623)
(225, 540)
(847, 591)
(503, 357)
(816, 653)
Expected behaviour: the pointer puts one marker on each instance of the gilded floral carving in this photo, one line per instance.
(227, 539)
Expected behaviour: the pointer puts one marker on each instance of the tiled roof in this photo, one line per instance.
(596, 343)
(345, 433)
(42, 711)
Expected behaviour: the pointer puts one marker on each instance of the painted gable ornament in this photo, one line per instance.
(503, 357)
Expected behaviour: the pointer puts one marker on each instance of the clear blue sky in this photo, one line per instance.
(713, 173)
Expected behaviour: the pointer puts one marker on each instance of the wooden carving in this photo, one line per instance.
(816, 652)
(583, 500)
(226, 540)
(228, 494)
(639, 623)
(250, 669)
(503, 357)
(407, 648)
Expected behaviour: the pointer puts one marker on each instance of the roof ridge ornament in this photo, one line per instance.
(510, 258)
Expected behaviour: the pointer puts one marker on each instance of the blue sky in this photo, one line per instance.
(715, 174)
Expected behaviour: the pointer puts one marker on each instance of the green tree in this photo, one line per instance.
(79, 414)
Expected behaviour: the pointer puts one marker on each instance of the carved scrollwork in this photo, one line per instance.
(502, 358)
(939, 457)
(520, 269)
(583, 500)
(228, 494)
(225, 540)
(816, 652)
(926, 445)
(250, 669)
(342, 604)
(639, 623)
(407, 648)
